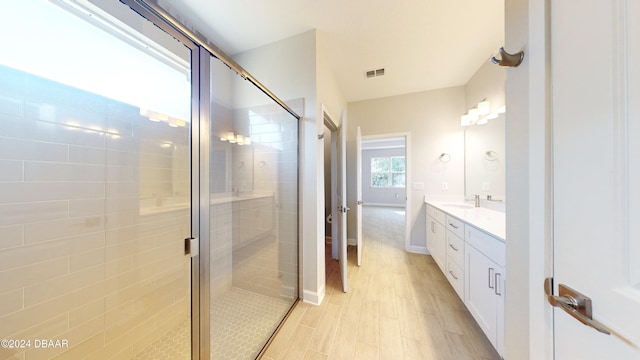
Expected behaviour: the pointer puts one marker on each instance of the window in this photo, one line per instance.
(388, 171)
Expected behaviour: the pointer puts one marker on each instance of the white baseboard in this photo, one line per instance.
(314, 298)
(352, 242)
(417, 249)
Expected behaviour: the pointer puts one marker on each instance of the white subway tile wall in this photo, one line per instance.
(94, 207)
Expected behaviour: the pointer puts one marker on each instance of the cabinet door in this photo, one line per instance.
(480, 294)
(431, 235)
(436, 241)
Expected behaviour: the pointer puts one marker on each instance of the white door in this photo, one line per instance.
(595, 66)
(335, 214)
(359, 193)
(342, 200)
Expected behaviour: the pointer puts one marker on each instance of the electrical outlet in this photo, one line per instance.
(485, 186)
(445, 186)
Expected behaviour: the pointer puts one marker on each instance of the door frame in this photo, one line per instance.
(328, 121)
(529, 191)
(407, 154)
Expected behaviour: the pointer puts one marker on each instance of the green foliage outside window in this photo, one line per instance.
(388, 171)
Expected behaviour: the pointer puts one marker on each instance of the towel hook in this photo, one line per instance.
(512, 60)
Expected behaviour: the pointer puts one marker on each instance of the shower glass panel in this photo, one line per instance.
(94, 186)
(253, 215)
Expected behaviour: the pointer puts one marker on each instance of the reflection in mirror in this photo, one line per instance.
(484, 159)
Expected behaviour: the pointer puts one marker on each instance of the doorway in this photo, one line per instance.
(384, 167)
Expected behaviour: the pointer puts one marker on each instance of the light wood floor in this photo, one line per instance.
(399, 306)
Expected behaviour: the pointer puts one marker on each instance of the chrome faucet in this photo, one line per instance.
(477, 199)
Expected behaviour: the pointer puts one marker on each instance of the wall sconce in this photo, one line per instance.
(235, 139)
(480, 114)
(444, 157)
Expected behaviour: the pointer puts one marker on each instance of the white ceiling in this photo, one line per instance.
(422, 44)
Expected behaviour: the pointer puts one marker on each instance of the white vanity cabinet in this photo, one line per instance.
(468, 244)
(455, 255)
(485, 286)
(436, 238)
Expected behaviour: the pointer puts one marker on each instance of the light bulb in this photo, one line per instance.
(483, 107)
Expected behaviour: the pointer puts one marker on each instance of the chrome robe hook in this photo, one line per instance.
(512, 60)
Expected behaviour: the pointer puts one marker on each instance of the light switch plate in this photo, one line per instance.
(416, 185)
(445, 185)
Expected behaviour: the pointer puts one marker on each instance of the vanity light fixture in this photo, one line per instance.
(480, 114)
(232, 138)
(160, 117)
(484, 107)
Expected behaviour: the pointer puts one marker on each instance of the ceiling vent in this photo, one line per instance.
(374, 73)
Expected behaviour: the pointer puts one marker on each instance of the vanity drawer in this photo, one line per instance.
(440, 216)
(455, 275)
(455, 248)
(493, 248)
(455, 226)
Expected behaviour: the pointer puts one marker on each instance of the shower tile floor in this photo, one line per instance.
(242, 321)
(172, 346)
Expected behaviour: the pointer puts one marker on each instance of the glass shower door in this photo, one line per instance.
(95, 196)
(253, 215)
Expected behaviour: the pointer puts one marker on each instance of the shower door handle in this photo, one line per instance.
(191, 246)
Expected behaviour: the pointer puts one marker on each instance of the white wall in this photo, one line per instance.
(433, 118)
(487, 83)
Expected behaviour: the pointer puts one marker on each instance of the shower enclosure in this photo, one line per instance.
(148, 198)
(253, 215)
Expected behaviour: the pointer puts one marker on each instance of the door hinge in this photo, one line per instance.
(191, 246)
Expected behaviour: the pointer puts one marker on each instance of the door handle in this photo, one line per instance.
(574, 303)
(490, 270)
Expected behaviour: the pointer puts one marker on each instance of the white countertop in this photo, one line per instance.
(490, 221)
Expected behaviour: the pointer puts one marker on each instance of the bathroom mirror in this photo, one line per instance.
(484, 159)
